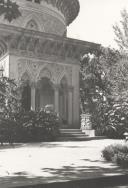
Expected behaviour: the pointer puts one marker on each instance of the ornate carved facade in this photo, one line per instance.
(35, 52)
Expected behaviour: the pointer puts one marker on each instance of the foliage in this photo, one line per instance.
(9, 9)
(121, 31)
(17, 125)
(9, 101)
(29, 127)
(117, 154)
(97, 86)
(104, 85)
(117, 118)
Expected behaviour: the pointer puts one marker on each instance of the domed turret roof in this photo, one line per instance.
(70, 8)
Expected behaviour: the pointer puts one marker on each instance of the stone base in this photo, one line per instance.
(90, 133)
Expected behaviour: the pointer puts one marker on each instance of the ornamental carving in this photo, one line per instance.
(40, 45)
(30, 67)
(32, 25)
(44, 73)
(38, 70)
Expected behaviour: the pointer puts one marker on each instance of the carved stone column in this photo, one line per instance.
(70, 105)
(56, 98)
(33, 97)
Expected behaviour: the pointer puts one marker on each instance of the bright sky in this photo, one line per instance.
(95, 20)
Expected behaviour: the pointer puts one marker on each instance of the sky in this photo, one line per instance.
(95, 20)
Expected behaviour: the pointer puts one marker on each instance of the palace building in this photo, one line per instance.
(34, 50)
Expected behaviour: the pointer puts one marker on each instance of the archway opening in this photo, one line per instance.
(26, 97)
(63, 101)
(44, 93)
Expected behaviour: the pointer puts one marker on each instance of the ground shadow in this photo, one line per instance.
(69, 177)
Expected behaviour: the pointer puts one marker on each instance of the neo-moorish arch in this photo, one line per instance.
(32, 25)
(65, 76)
(25, 91)
(45, 73)
(35, 20)
(25, 78)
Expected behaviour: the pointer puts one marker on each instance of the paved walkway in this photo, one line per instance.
(54, 162)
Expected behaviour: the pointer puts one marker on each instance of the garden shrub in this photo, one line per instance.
(108, 153)
(117, 153)
(122, 159)
(29, 127)
(117, 118)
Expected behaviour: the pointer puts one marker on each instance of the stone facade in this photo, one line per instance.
(44, 63)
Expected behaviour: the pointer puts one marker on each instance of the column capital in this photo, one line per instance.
(56, 87)
(33, 84)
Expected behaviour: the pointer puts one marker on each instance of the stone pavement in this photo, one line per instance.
(42, 163)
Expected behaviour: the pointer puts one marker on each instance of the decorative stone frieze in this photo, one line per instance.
(38, 44)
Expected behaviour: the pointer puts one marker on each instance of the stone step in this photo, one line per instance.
(77, 135)
(73, 134)
(84, 138)
(70, 131)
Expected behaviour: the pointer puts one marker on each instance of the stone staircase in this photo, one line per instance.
(72, 135)
(76, 135)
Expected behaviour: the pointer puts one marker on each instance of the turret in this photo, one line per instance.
(49, 16)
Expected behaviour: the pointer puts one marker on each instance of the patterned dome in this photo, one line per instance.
(69, 8)
(49, 16)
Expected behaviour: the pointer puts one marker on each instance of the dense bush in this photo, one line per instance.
(29, 127)
(117, 153)
(117, 118)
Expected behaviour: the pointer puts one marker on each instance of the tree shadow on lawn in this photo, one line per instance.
(69, 177)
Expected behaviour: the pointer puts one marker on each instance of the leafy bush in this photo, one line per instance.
(108, 153)
(117, 153)
(122, 159)
(29, 127)
(117, 118)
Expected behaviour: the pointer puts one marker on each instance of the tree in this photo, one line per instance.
(9, 9)
(98, 81)
(121, 31)
(92, 89)
(97, 78)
